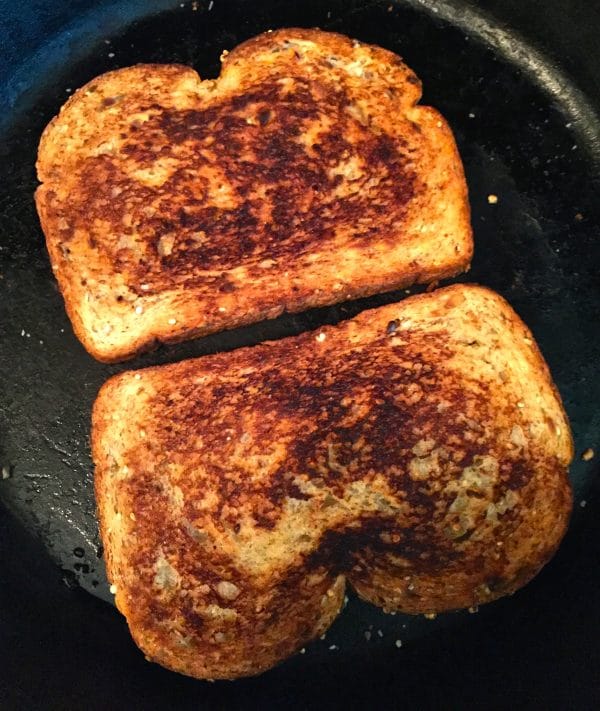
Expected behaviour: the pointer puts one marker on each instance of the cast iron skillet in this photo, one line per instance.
(527, 128)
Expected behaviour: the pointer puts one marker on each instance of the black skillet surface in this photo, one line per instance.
(528, 134)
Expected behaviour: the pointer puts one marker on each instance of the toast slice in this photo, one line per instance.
(304, 175)
(418, 451)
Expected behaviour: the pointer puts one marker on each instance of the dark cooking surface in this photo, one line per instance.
(526, 136)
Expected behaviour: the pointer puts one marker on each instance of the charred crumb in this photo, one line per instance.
(392, 327)
(264, 116)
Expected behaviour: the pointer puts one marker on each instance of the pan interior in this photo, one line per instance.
(526, 136)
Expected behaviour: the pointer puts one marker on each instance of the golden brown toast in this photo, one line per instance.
(304, 175)
(418, 451)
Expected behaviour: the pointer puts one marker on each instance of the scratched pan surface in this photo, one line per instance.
(528, 134)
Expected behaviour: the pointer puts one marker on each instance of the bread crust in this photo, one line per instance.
(418, 452)
(305, 175)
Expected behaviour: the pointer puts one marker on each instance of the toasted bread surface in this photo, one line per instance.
(306, 174)
(418, 451)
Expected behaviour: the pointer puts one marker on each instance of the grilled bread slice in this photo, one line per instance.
(418, 451)
(305, 175)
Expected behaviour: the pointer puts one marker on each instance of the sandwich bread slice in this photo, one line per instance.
(306, 174)
(418, 453)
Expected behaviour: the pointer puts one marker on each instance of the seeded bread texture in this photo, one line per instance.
(306, 174)
(418, 452)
